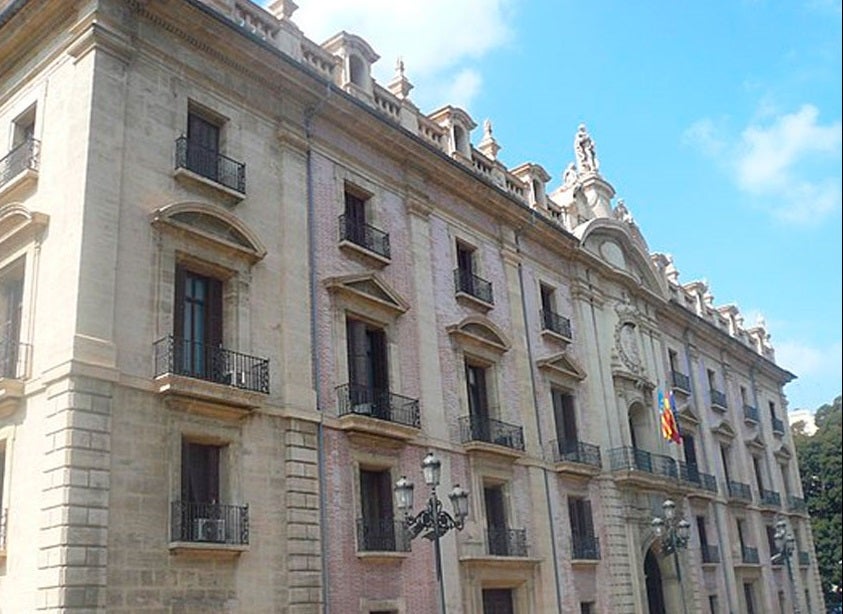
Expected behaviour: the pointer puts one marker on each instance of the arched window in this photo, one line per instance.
(356, 71)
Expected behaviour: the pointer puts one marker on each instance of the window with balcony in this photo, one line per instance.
(718, 397)
(199, 153)
(356, 229)
(377, 528)
(198, 324)
(23, 157)
(11, 310)
(777, 423)
(368, 371)
(749, 597)
(466, 280)
(551, 320)
(710, 553)
(501, 538)
(584, 543)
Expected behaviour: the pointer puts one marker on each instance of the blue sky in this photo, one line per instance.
(718, 123)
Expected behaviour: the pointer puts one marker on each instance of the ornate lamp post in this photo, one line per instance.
(433, 520)
(674, 534)
(785, 542)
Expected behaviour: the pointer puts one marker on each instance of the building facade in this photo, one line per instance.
(246, 288)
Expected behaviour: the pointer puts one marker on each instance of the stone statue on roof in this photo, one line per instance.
(584, 151)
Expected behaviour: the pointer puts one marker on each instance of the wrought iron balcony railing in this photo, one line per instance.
(177, 356)
(3, 516)
(210, 164)
(796, 504)
(750, 413)
(469, 283)
(21, 158)
(804, 558)
(380, 404)
(14, 357)
(489, 430)
(710, 553)
(628, 458)
(749, 555)
(680, 381)
(210, 523)
(739, 491)
(691, 474)
(382, 535)
(769, 498)
(503, 541)
(718, 399)
(585, 547)
(778, 425)
(576, 452)
(555, 323)
(364, 235)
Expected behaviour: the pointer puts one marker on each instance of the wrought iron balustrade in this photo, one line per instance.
(215, 364)
(22, 157)
(796, 504)
(210, 523)
(804, 558)
(489, 430)
(503, 541)
(710, 553)
(555, 323)
(629, 458)
(469, 283)
(3, 518)
(750, 413)
(382, 535)
(708, 482)
(380, 404)
(749, 555)
(14, 357)
(718, 399)
(585, 547)
(680, 381)
(210, 164)
(364, 235)
(778, 425)
(576, 452)
(739, 491)
(770, 498)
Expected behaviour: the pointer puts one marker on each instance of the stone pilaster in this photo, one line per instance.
(621, 588)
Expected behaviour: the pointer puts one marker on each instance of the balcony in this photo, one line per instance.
(778, 426)
(739, 492)
(3, 519)
(14, 359)
(576, 457)
(470, 286)
(804, 558)
(503, 541)
(209, 167)
(710, 554)
(718, 400)
(639, 467)
(20, 166)
(770, 498)
(585, 547)
(210, 527)
(382, 535)
(749, 555)
(377, 412)
(557, 325)
(210, 379)
(750, 414)
(692, 476)
(364, 239)
(681, 382)
(490, 435)
(796, 504)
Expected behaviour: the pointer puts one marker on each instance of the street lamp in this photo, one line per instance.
(674, 534)
(785, 543)
(433, 520)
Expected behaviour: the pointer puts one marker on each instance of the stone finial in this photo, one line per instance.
(400, 86)
(584, 151)
(488, 145)
(282, 9)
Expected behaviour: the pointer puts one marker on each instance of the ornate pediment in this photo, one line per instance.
(17, 223)
(481, 332)
(686, 415)
(755, 443)
(370, 289)
(562, 364)
(783, 453)
(723, 430)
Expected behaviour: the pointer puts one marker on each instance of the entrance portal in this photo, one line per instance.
(653, 577)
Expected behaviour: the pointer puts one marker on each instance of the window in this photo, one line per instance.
(749, 596)
(203, 145)
(703, 534)
(11, 309)
(355, 224)
(586, 607)
(23, 129)
(713, 605)
(498, 601)
(756, 466)
(199, 511)
(673, 360)
(690, 449)
(376, 527)
(547, 299)
(712, 379)
(368, 369)
(198, 325)
(773, 412)
(466, 280)
(583, 541)
(550, 318)
(355, 218)
(724, 457)
(740, 524)
(465, 263)
(771, 539)
(477, 393)
(496, 526)
(565, 419)
(357, 71)
(743, 396)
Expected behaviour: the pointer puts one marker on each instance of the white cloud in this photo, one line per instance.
(788, 163)
(455, 35)
(818, 370)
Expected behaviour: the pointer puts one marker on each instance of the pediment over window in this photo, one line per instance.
(562, 364)
(783, 453)
(755, 443)
(211, 224)
(482, 332)
(687, 416)
(370, 289)
(17, 223)
(723, 430)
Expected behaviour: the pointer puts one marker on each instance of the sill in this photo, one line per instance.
(552, 334)
(719, 408)
(207, 398)
(355, 249)
(470, 299)
(11, 393)
(576, 469)
(494, 561)
(682, 391)
(381, 556)
(585, 562)
(188, 177)
(778, 434)
(484, 448)
(710, 563)
(374, 430)
(208, 549)
(737, 501)
(750, 422)
(25, 178)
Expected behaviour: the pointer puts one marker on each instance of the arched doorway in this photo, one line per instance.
(653, 580)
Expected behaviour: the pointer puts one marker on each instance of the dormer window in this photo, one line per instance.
(356, 71)
(460, 140)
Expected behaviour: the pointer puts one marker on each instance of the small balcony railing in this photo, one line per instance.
(469, 283)
(21, 158)
(680, 381)
(576, 452)
(210, 523)
(749, 555)
(380, 404)
(3, 515)
(13, 358)
(739, 491)
(555, 323)
(364, 235)
(691, 474)
(778, 425)
(796, 504)
(804, 558)
(769, 498)
(750, 414)
(489, 430)
(718, 399)
(211, 363)
(382, 535)
(710, 553)
(585, 547)
(503, 541)
(210, 164)
(636, 459)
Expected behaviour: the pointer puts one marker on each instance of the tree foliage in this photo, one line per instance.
(820, 458)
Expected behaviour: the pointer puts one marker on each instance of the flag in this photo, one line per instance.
(670, 427)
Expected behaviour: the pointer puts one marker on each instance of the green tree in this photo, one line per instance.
(820, 458)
